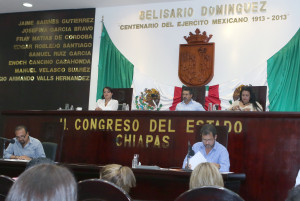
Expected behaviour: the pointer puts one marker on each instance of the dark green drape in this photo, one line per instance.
(114, 70)
(284, 77)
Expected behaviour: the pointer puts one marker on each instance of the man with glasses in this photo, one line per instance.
(212, 151)
(25, 147)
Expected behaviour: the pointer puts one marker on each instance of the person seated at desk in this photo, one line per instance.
(44, 182)
(206, 174)
(212, 150)
(120, 175)
(107, 103)
(246, 102)
(25, 147)
(188, 104)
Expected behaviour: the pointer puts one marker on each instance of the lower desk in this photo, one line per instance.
(163, 184)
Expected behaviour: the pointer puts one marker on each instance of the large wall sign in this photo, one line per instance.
(246, 34)
(45, 59)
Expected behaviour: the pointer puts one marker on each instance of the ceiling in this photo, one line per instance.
(11, 6)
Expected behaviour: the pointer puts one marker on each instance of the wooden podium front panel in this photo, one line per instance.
(263, 145)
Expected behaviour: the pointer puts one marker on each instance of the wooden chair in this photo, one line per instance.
(5, 184)
(123, 95)
(222, 135)
(209, 193)
(98, 189)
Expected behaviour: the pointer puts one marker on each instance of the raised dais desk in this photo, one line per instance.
(263, 145)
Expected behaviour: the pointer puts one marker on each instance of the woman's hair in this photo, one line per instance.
(252, 96)
(206, 174)
(120, 175)
(45, 182)
(108, 88)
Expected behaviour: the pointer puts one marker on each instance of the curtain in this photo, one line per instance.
(284, 77)
(114, 70)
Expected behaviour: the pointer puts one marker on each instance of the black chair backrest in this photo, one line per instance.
(53, 132)
(209, 193)
(98, 189)
(199, 94)
(5, 184)
(123, 95)
(50, 150)
(222, 135)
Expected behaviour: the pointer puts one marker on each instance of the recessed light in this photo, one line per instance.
(29, 5)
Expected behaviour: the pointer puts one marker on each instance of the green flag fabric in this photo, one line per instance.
(284, 77)
(114, 70)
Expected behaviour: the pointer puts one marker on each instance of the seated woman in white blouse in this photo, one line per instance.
(247, 101)
(107, 103)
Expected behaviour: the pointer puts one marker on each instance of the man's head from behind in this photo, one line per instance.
(187, 94)
(22, 134)
(209, 135)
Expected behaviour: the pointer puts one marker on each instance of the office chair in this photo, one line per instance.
(98, 189)
(5, 184)
(209, 193)
(50, 149)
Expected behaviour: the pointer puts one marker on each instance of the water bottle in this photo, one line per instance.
(124, 106)
(210, 106)
(135, 160)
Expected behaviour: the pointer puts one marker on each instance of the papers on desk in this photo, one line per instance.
(16, 160)
(150, 167)
(197, 159)
(298, 178)
(226, 172)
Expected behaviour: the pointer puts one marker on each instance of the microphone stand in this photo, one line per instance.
(188, 156)
(4, 140)
(187, 163)
(3, 149)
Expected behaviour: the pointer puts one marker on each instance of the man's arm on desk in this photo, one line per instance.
(20, 157)
(8, 154)
(224, 161)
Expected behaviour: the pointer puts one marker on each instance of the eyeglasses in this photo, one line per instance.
(207, 140)
(22, 136)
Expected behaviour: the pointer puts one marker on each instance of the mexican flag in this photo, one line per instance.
(281, 73)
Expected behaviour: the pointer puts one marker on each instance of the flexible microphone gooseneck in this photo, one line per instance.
(7, 140)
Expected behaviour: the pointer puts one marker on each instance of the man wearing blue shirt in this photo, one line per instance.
(188, 104)
(213, 151)
(25, 147)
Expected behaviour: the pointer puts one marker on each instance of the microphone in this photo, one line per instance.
(190, 150)
(7, 140)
